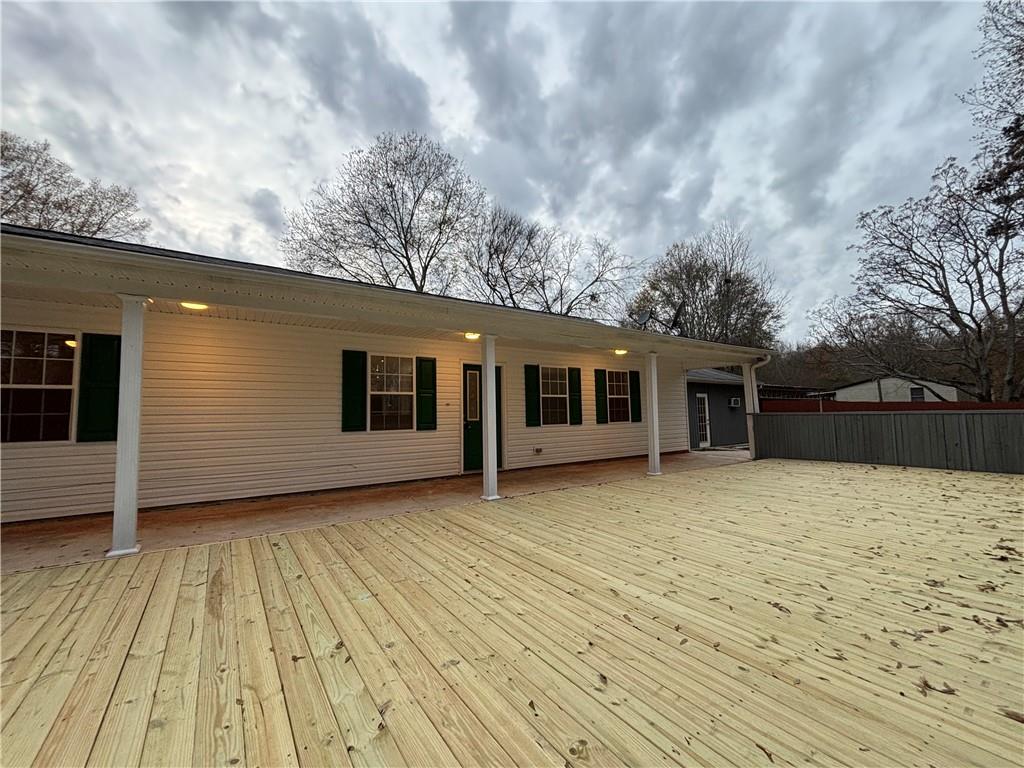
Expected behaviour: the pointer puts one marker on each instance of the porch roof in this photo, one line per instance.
(40, 264)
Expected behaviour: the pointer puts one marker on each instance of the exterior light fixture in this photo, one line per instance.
(621, 351)
(71, 342)
(472, 335)
(199, 307)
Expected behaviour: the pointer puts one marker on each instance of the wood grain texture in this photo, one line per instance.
(764, 614)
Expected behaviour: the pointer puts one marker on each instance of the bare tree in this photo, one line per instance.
(502, 258)
(519, 263)
(38, 190)
(711, 288)
(584, 277)
(397, 213)
(997, 102)
(805, 365)
(940, 291)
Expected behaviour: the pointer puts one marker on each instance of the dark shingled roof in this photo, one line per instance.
(713, 376)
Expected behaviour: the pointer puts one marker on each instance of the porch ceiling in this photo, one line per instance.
(39, 265)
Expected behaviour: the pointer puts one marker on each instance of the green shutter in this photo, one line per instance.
(634, 396)
(99, 377)
(575, 397)
(353, 391)
(532, 390)
(426, 393)
(601, 395)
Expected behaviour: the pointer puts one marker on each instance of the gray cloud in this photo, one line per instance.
(266, 207)
(354, 77)
(644, 122)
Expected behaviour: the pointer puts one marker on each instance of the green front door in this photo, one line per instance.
(472, 417)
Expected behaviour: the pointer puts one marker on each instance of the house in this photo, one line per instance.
(894, 390)
(717, 411)
(139, 376)
(792, 392)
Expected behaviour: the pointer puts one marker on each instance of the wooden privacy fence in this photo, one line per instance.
(982, 441)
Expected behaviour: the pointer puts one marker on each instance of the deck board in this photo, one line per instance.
(772, 613)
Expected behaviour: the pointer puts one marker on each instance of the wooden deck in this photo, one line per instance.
(772, 613)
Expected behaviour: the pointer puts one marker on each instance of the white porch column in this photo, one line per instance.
(752, 403)
(490, 422)
(653, 436)
(129, 407)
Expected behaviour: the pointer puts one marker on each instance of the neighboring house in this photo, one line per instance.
(791, 392)
(138, 376)
(718, 415)
(893, 390)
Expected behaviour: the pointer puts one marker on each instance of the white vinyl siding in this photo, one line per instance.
(892, 391)
(238, 408)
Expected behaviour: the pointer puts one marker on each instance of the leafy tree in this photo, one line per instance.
(398, 213)
(38, 190)
(711, 288)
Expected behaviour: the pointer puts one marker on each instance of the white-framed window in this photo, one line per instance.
(37, 375)
(917, 394)
(554, 395)
(618, 396)
(392, 392)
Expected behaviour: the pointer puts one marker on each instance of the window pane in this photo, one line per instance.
(390, 412)
(391, 374)
(472, 395)
(29, 343)
(6, 343)
(25, 428)
(27, 371)
(56, 345)
(553, 381)
(618, 384)
(618, 409)
(59, 371)
(5, 370)
(26, 401)
(554, 410)
(56, 427)
(56, 401)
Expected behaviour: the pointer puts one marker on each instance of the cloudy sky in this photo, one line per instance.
(641, 122)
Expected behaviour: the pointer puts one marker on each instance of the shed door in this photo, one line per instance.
(473, 414)
(703, 421)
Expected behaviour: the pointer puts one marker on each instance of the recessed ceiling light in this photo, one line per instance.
(193, 305)
(472, 335)
(621, 351)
